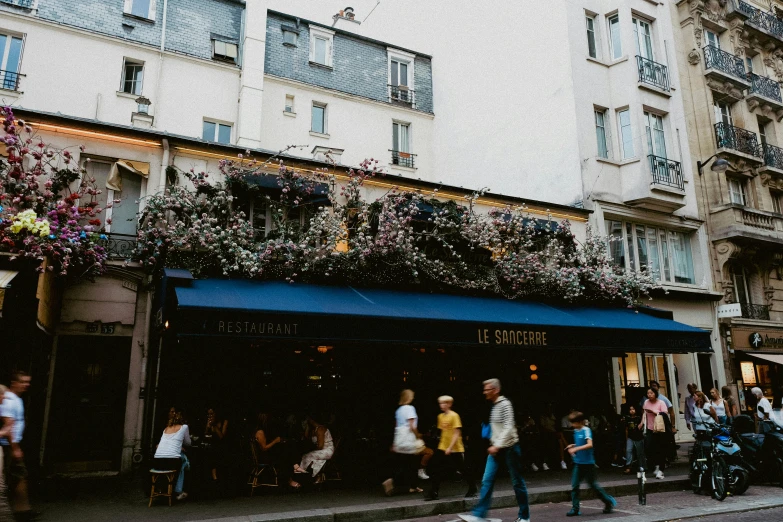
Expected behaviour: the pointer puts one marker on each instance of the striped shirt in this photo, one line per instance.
(504, 428)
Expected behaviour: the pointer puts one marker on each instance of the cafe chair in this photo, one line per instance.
(331, 470)
(256, 480)
(163, 489)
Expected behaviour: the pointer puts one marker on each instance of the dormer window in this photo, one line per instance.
(226, 51)
(290, 36)
(321, 41)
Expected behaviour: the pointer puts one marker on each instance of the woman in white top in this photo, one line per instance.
(321, 437)
(703, 412)
(719, 404)
(407, 445)
(169, 453)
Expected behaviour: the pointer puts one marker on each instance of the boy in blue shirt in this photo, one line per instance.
(584, 465)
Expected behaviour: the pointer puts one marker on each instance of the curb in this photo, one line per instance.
(411, 509)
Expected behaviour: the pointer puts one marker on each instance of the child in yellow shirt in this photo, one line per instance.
(451, 452)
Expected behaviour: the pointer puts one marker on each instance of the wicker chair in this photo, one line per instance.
(256, 480)
(171, 475)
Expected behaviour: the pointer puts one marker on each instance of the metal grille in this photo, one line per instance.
(666, 172)
(9, 80)
(764, 86)
(120, 246)
(741, 140)
(403, 159)
(773, 156)
(765, 21)
(401, 94)
(715, 58)
(751, 311)
(653, 73)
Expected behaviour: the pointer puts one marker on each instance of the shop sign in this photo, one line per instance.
(256, 328)
(729, 310)
(747, 339)
(511, 337)
(748, 372)
(105, 329)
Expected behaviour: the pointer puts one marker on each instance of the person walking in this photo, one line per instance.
(581, 452)
(451, 452)
(634, 440)
(690, 401)
(407, 447)
(654, 442)
(504, 447)
(5, 509)
(12, 412)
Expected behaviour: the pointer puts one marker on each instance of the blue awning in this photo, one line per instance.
(276, 310)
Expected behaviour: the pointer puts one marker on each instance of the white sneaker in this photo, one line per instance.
(545, 467)
(471, 518)
(563, 465)
(182, 496)
(534, 467)
(423, 475)
(659, 474)
(522, 520)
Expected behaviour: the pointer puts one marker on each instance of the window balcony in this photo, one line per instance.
(403, 159)
(764, 91)
(653, 73)
(120, 246)
(773, 159)
(741, 224)
(402, 95)
(725, 67)
(737, 142)
(759, 21)
(9, 80)
(666, 172)
(753, 311)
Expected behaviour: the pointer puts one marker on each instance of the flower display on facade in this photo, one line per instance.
(46, 204)
(313, 226)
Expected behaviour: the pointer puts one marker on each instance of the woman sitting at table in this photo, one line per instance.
(324, 449)
(169, 453)
(273, 450)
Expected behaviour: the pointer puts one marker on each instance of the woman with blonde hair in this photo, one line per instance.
(407, 447)
(168, 455)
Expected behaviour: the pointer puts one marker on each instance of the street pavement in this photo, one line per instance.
(679, 505)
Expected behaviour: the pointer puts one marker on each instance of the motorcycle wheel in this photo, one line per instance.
(740, 480)
(720, 478)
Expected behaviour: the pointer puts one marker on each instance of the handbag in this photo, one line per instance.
(659, 425)
(406, 442)
(486, 431)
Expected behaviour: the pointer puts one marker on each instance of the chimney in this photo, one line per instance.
(346, 14)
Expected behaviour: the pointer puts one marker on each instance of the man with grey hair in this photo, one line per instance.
(763, 407)
(504, 446)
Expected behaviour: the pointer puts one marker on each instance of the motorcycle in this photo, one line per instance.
(762, 453)
(709, 469)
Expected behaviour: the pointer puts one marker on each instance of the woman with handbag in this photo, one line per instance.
(407, 447)
(655, 436)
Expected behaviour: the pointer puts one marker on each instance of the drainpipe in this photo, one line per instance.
(160, 58)
(163, 165)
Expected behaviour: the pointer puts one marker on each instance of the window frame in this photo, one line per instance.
(621, 131)
(594, 33)
(777, 201)
(606, 130)
(292, 106)
(737, 186)
(126, 62)
(321, 33)
(638, 23)
(5, 53)
(651, 117)
(151, 10)
(218, 124)
(615, 48)
(224, 57)
(402, 124)
(710, 41)
(324, 122)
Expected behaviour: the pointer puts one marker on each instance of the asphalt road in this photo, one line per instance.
(760, 515)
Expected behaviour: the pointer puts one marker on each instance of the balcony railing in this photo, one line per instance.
(759, 19)
(741, 140)
(402, 94)
(653, 73)
(120, 246)
(773, 156)
(9, 80)
(727, 63)
(27, 4)
(403, 159)
(752, 311)
(757, 220)
(765, 87)
(666, 172)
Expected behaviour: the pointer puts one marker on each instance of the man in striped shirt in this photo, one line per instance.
(504, 446)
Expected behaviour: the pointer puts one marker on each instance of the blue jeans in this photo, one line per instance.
(513, 459)
(586, 472)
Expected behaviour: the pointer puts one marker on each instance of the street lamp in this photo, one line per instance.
(719, 165)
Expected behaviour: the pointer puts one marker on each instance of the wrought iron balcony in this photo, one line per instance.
(120, 246)
(734, 138)
(402, 94)
(724, 62)
(652, 73)
(666, 172)
(773, 156)
(758, 19)
(9, 80)
(403, 159)
(764, 86)
(752, 311)
(27, 4)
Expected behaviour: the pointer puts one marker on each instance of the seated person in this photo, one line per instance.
(272, 448)
(324, 449)
(169, 452)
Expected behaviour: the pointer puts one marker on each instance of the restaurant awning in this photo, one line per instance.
(776, 358)
(279, 310)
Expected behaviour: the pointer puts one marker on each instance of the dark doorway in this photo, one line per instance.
(705, 373)
(88, 403)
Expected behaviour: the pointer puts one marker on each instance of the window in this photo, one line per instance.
(602, 133)
(777, 200)
(290, 36)
(723, 113)
(224, 50)
(615, 39)
(593, 42)
(626, 135)
(749, 63)
(400, 75)
(122, 206)
(289, 104)
(741, 287)
(141, 8)
(217, 132)
(132, 76)
(319, 118)
(762, 132)
(11, 49)
(711, 38)
(321, 46)
(643, 36)
(737, 191)
(401, 137)
(656, 140)
(664, 254)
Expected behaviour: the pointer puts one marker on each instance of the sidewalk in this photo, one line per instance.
(116, 499)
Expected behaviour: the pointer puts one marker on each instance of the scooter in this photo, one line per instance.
(739, 477)
(762, 453)
(709, 470)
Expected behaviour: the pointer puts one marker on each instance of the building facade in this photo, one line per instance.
(731, 69)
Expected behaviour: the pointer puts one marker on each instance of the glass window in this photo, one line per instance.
(320, 50)
(741, 285)
(399, 73)
(737, 191)
(614, 234)
(224, 133)
(630, 246)
(615, 39)
(626, 135)
(289, 37)
(762, 131)
(11, 49)
(641, 247)
(132, 77)
(600, 134)
(776, 201)
(654, 266)
(643, 36)
(656, 140)
(592, 37)
(682, 261)
(665, 255)
(217, 132)
(711, 38)
(401, 137)
(289, 103)
(224, 50)
(319, 119)
(141, 8)
(723, 113)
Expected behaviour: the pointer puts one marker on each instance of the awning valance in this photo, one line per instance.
(776, 358)
(279, 310)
